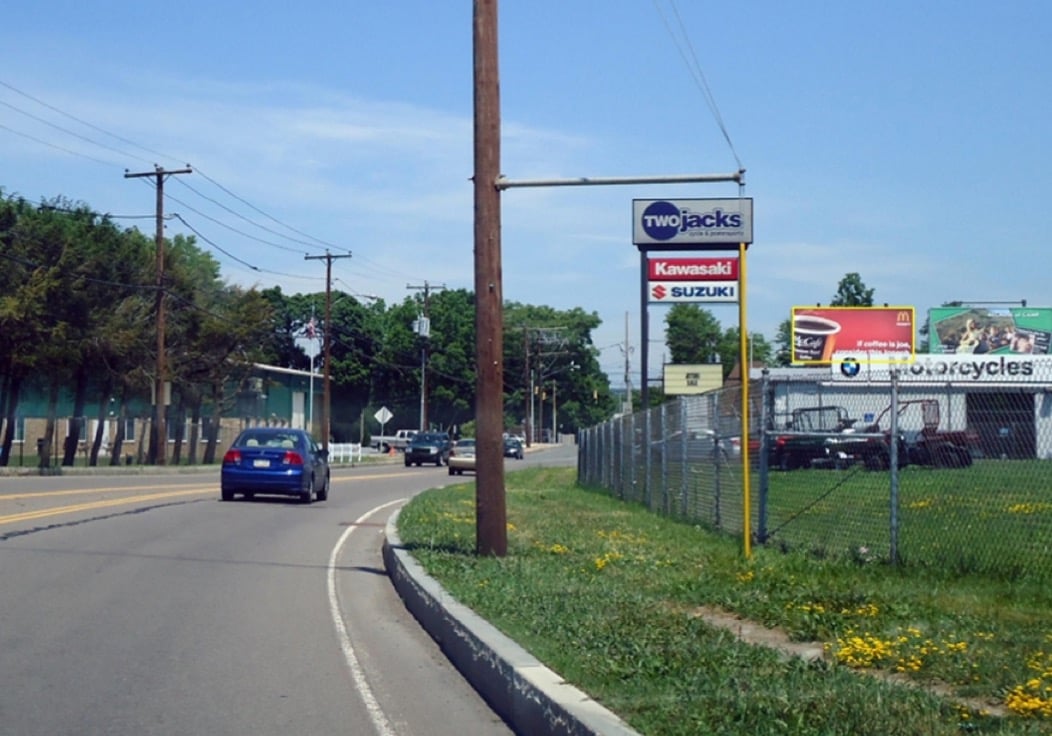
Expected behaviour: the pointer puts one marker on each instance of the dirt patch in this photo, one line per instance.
(752, 632)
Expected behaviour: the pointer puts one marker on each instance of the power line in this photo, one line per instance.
(55, 146)
(232, 228)
(269, 217)
(85, 122)
(315, 242)
(238, 215)
(694, 67)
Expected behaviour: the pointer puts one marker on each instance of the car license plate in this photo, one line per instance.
(261, 463)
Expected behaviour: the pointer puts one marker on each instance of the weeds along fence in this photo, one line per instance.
(966, 487)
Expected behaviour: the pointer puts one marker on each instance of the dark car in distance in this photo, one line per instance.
(513, 448)
(428, 447)
(275, 461)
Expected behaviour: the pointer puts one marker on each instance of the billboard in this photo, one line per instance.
(685, 380)
(974, 330)
(691, 224)
(818, 332)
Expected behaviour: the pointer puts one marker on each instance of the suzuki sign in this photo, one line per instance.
(662, 292)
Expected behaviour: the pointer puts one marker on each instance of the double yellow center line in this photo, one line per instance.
(92, 505)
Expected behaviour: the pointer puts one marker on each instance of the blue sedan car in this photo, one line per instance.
(275, 460)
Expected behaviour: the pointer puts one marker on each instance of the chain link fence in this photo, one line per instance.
(965, 485)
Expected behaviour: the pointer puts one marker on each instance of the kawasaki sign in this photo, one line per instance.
(697, 223)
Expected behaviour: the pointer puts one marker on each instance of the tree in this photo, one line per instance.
(693, 334)
(759, 350)
(851, 292)
(784, 342)
(545, 347)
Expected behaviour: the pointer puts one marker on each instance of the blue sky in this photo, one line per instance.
(904, 141)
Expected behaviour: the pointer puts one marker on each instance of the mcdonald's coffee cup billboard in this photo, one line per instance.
(818, 332)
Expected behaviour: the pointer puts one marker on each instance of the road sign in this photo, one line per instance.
(383, 416)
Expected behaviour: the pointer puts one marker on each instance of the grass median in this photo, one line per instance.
(633, 608)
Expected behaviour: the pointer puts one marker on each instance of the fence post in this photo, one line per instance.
(647, 459)
(765, 422)
(582, 455)
(666, 501)
(684, 468)
(628, 451)
(894, 451)
(717, 495)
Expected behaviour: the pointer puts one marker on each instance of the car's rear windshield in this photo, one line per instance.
(269, 439)
(428, 438)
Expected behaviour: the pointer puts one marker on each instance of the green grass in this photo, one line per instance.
(993, 518)
(609, 595)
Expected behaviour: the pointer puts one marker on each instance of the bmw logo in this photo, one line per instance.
(850, 367)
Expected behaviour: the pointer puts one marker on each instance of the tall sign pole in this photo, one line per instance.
(158, 431)
(491, 534)
(706, 225)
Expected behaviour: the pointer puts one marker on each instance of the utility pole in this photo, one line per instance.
(158, 431)
(491, 519)
(555, 428)
(326, 401)
(627, 406)
(424, 350)
(527, 382)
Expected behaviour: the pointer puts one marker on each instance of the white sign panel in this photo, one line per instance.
(383, 415)
(663, 292)
(691, 222)
(959, 368)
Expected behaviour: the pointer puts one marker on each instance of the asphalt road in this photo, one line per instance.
(144, 605)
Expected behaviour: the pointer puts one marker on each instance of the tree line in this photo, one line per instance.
(78, 318)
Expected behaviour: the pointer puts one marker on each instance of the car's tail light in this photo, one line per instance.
(232, 457)
(292, 458)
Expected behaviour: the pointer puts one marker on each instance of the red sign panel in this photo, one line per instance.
(818, 332)
(693, 269)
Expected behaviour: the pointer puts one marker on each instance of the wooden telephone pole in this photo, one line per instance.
(326, 401)
(424, 350)
(490, 504)
(158, 431)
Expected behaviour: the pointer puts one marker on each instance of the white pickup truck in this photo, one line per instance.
(396, 441)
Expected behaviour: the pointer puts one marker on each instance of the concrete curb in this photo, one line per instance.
(531, 698)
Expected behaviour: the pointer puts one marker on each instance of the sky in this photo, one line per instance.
(903, 141)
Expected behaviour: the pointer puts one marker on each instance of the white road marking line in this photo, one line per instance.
(376, 713)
